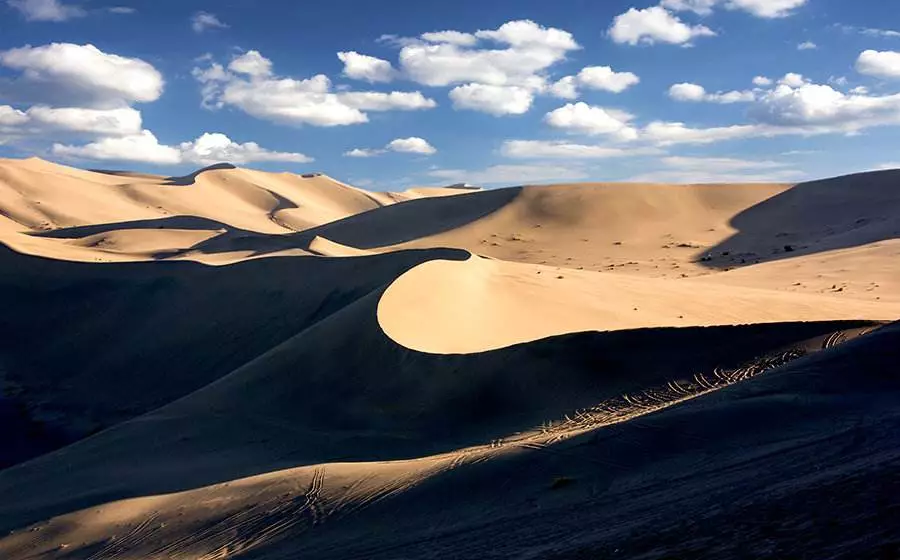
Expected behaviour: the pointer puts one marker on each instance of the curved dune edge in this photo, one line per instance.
(480, 304)
(327, 248)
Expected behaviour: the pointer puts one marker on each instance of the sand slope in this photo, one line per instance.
(570, 371)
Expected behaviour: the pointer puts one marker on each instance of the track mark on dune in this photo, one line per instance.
(117, 547)
(240, 531)
(630, 406)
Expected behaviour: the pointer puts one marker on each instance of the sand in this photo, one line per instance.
(260, 365)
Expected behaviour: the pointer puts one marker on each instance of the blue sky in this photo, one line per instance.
(518, 91)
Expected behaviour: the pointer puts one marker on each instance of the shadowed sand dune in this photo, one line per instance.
(574, 371)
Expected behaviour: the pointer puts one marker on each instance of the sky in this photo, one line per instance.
(388, 95)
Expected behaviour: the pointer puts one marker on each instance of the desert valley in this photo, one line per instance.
(238, 363)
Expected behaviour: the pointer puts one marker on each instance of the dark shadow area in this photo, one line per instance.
(813, 217)
(187, 180)
(172, 222)
(380, 227)
(288, 371)
(798, 463)
(89, 345)
(127, 174)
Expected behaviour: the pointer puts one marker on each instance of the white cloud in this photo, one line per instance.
(759, 8)
(817, 108)
(556, 149)
(46, 10)
(102, 122)
(654, 25)
(670, 133)
(368, 68)
(762, 81)
(251, 63)
(874, 32)
(10, 116)
(682, 169)
(215, 147)
(802, 109)
(793, 80)
(363, 152)
(527, 51)
(495, 100)
(290, 101)
(766, 8)
(807, 46)
(700, 7)
(411, 145)
(143, 147)
(452, 37)
(881, 64)
(393, 101)
(84, 73)
(207, 149)
(565, 88)
(696, 93)
(594, 77)
(606, 79)
(510, 174)
(121, 10)
(202, 21)
(588, 119)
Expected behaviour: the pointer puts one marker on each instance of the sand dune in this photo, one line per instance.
(592, 370)
(37, 196)
(482, 304)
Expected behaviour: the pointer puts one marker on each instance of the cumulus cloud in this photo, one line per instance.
(880, 64)
(762, 81)
(697, 93)
(495, 100)
(451, 37)
(143, 147)
(587, 119)
(654, 25)
(203, 21)
(766, 8)
(46, 10)
(794, 106)
(363, 152)
(41, 119)
(292, 101)
(367, 68)
(252, 64)
(759, 8)
(82, 74)
(207, 149)
(411, 145)
(807, 46)
(602, 78)
(515, 54)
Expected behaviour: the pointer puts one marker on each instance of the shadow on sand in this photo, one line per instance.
(813, 217)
